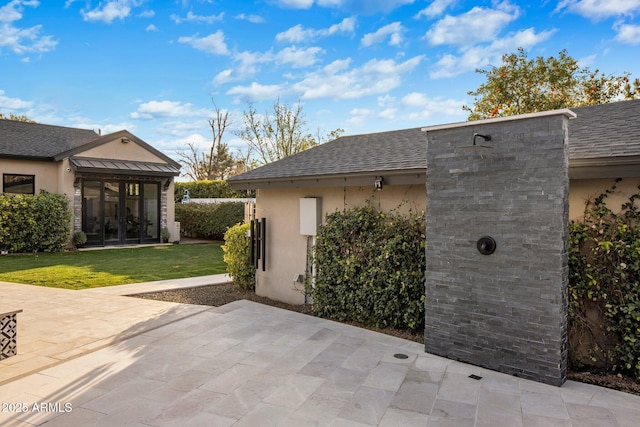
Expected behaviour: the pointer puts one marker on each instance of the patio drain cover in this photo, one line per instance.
(400, 356)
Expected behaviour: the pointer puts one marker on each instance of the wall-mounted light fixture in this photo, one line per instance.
(378, 182)
(125, 140)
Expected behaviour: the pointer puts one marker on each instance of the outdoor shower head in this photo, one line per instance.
(485, 137)
(476, 146)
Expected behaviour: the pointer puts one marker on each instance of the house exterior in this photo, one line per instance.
(604, 144)
(120, 188)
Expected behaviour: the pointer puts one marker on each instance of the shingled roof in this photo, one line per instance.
(385, 151)
(35, 141)
(38, 141)
(606, 131)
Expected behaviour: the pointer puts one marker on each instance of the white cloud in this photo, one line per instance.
(482, 55)
(295, 4)
(13, 104)
(359, 116)
(388, 113)
(151, 27)
(257, 92)
(436, 8)
(298, 33)
(112, 10)
(247, 64)
(393, 31)
(600, 9)
(477, 25)
(202, 19)
(299, 58)
(147, 14)
(224, 76)
(255, 19)
(338, 82)
(628, 34)
(105, 128)
(213, 43)
(423, 107)
(166, 109)
(364, 7)
(22, 40)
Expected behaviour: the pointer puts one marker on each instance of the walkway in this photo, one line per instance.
(93, 358)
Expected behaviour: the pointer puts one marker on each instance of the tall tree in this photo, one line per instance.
(18, 118)
(521, 85)
(219, 162)
(278, 134)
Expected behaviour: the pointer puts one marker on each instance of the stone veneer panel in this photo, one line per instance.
(506, 311)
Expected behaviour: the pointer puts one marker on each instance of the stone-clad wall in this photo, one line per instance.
(506, 311)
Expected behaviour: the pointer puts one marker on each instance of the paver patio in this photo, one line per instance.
(246, 364)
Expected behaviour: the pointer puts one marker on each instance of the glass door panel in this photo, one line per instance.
(111, 214)
(132, 213)
(92, 212)
(151, 209)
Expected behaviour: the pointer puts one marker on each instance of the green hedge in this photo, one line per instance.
(208, 190)
(604, 288)
(237, 254)
(34, 223)
(208, 221)
(370, 268)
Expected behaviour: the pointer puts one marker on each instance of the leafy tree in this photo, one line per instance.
(279, 134)
(521, 85)
(18, 118)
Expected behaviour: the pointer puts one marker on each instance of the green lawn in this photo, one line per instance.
(108, 267)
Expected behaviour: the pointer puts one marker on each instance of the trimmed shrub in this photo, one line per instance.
(604, 288)
(208, 221)
(237, 254)
(207, 190)
(79, 238)
(370, 268)
(34, 223)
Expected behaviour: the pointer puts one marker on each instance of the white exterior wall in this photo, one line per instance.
(286, 249)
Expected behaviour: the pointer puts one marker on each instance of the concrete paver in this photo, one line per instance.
(247, 364)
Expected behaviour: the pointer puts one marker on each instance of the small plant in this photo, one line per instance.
(165, 235)
(237, 254)
(79, 238)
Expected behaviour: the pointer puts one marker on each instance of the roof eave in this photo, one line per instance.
(94, 171)
(366, 178)
(34, 158)
(604, 167)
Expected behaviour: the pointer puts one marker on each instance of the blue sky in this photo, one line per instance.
(153, 67)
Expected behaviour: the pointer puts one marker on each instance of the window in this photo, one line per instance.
(18, 184)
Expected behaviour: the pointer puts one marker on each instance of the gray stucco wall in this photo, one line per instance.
(506, 311)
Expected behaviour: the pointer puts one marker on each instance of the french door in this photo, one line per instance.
(117, 212)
